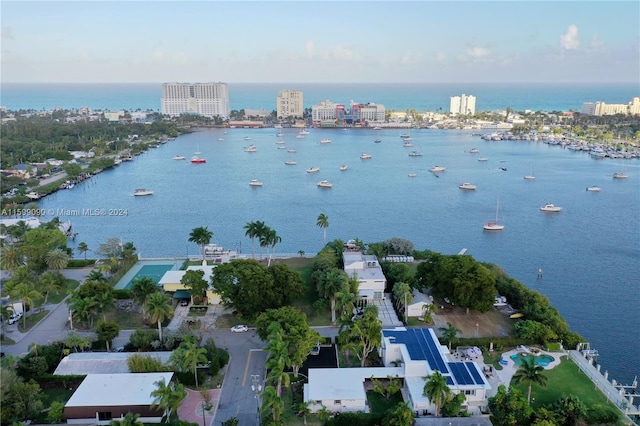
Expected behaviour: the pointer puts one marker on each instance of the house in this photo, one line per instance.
(82, 363)
(170, 282)
(367, 270)
(409, 354)
(103, 397)
(420, 300)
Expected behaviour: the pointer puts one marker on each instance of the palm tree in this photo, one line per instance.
(335, 281)
(272, 403)
(57, 259)
(303, 409)
(51, 281)
(345, 304)
(193, 356)
(104, 302)
(83, 248)
(270, 238)
(128, 420)
(450, 333)
(400, 415)
(201, 236)
(10, 258)
(530, 372)
(253, 230)
(23, 286)
(96, 275)
(436, 389)
(141, 288)
(324, 414)
(323, 222)
(158, 308)
(168, 396)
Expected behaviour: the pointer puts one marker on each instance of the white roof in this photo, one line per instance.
(102, 362)
(174, 277)
(419, 297)
(344, 383)
(102, 390)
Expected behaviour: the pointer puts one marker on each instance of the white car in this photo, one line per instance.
(240, 328)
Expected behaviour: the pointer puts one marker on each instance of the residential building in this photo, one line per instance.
(206, 99)
(367, 270)
(464, 104)
(327, 113)
(83, 363)
(290, 103)
(601, 108)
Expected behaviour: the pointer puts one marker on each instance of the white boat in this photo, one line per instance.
(255, 182)
(407, 144)
(282, 147)
(494, 226)
(531, 176)
(220, 139)
(415, 154)
(467, 186)
(141, 192)
(474, 150)
(483, 159)
(279, 135)
(377, 140)
(550, 208)
(247, 138)
(619, 175)
(325, 184)
(412, 175)
(437, 169)
(179, 157)
(594, 188)
(299, 136)
(343, 167)
(251, 148)
(34, 195)
(303, 132)
(280, 142)
(292, 150)
(313, 169)
(290, 163)
(365, 156)
(325, 140)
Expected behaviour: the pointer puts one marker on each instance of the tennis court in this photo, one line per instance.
(154, 269)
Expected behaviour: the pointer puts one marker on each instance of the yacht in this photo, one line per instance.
(494, 225)
(365, 156)
(325, 140)
(195, 159)
(377, 140)
(303, 132)
(279, 135)
(483, 159)
(529, 177)
(221, 139)
(467, 186)
(280, 142)
(251, 148)
(474, 150)
(179, 157)
(300, 136)
(325, 184)
(290, 163)
(141, 192)
(292, 150)
(412, 175)
(247, 138)
(619, 175)
(313, 169)
(550, 208)
(407, 143)
(437, 169)
(255, 182)
(594, 188)
(343, 167)
(415, 154)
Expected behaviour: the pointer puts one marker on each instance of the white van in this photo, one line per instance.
(15, 317)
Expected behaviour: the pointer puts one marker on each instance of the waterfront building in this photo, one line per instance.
(327, 113)
(290, 103)
(601, 108)
(206, 99)
(366, 269)
(464, 104)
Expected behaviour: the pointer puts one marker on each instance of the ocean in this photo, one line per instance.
(589, 252)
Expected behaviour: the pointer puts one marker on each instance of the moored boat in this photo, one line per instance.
(251, 148)
(325, 184)
(467, 186)
(313, 169)
(494, 225)
(179, 157)
(255, 182)
(365, 156)
(290, 163)
(343, 167)
(594, 188)
(325, 140)
(551, 208)
(195, 159)
(141, 192)
(437, 169)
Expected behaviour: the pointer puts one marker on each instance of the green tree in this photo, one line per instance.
(334, 281)
(107, 331)
(167, 397)
(570, 410)
(194, 356)
(193, 280)
(56, 412)
(530, 372)
(96, 275)
(51, 281)
(23, 286)
(158, 308)
(104, 302)
(129, 419)
(386, 387)
(140, 290)
(436, 389)
(25, 400)
(400, 415)
(272, 404)
(233, 421)
(452, 405)
(254, 230)
(10, 258)
(304, 410)
(77, 342)
(57, 259)
(201, 236)
(323, 223)
(365, 336)
(509, 408)
(83, 248)
(450, 333)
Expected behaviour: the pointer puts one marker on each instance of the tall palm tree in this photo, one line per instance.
(10, 258)
(252, 230)
(129, 419)
(50, 281)
(23, 286)
(158, 309)
(272, 403)
(345, 304)
(530, 372)
(96, 275)
(436, 389)
(334, 282)
(194, 356)
(141, 288)
(104, 303)
(201, 236)
(304, 411)
(450, 333)
(168, 396)
(83, 248)
(323, 223)
(270, 238)
(57, 259)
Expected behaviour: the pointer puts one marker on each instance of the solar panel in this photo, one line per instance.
(474, 372)
(449, 381)
(460, 373)
(421, 346)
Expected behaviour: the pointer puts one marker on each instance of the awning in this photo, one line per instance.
(366, 294)
(182, 294)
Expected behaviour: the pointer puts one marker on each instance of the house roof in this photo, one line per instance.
(102, 362)
(114, 390)
(174, 277)
(419, 297)
(344, 383)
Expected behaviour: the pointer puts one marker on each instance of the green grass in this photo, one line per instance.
(127, 320)
(56, 297)
(380, 405)
(564, 379)
(7, 341)
(492, 358)
(49, 396)
(31, 321)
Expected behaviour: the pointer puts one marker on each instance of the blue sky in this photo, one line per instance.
(309, 41)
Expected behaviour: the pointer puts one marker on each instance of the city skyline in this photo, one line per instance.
(296, 42)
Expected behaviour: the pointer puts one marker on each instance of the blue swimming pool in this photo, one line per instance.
(541, 360)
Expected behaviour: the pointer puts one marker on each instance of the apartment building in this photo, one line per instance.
(206, 99)
(601, 108)
(464, 104)
(290, 103)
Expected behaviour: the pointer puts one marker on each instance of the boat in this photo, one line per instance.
(292, 150)
(550, 208)
(179, 157)
(619, 175)
(377, 140)
(251, 148)
(197, 153)
(33, 195)
(197, 160)
(325, 184)
(299, 136)
(303, 132)
(407, 144)
(220, 139)
(594, 188)
(504, 169)
(325, 140)
(406, 136)
(494, 226)
(141, 192)
(282, 147)
(377, 128)
(255, 182)
(516, 315)
(313, 169)
(474, 150)
(483, 159)
(531, 176)
(467, 186)
(437, 169)
(290, 163)
(365, 156)
(412, 175)
(279, 135)
(415, 154)
(247, 138)
(343, 167)
(280, 142)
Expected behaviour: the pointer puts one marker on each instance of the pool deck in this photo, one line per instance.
(175, 262)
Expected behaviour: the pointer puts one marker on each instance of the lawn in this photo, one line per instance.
(49, 396)
(126, 319)
(564, 379)
(380, 405)
(316, 316)
(31, 321)
(56, 297)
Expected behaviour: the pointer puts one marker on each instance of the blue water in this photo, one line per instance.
(490, 96)
(589, 252)
(541, 360)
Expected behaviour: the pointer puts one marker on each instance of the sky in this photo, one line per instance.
(320, 41)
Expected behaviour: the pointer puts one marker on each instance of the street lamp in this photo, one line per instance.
(256, 387)
(477, 325)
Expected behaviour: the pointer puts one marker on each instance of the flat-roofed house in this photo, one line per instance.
(417, 305)
(170, 282)
(367, 270)
(101, 398)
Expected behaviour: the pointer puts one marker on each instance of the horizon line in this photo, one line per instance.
(324, 82)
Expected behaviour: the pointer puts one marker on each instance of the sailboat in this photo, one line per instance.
(494, 226)
(620, 175)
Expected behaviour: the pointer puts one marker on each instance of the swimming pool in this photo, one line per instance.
(154, 269)
(541, 360)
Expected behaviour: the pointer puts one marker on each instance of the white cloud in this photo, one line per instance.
(478, 53)
(596, 43)
(570, 39)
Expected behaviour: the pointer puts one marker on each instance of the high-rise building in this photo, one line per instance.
(290, 103)
(206, 99)
(601, 108)
(463, 105)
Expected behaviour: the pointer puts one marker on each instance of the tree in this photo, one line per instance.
(386, 387)
(104, 302)
(253, 230)
(570, 410)
(530, 372)
(323, 223)
(83, 248)
(23, 286)
(304, 410)
(400, 415)
(509, 408)
(272, 404)
(436, 389)
(201, 236)
(57, 259)
(278, 357)
(10, 258)
(335, 281)
(450, 333)
(167, 397)
(129, 419)
(96, 275)
(25, 399)
(51, 281)
(56, 412)
(77, 342)
(365, 336)
(195, 283)
(107, 331)
(452, 405)
(158, 308)
(141, 288)
(193, 356)
(269, 239)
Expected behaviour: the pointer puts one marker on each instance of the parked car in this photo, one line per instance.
(240, 328)
(184, 302)
(15, 317)
(315, 350)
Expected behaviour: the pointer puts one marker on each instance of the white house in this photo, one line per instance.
(170, 282)
(366, 269)
(416, 306)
